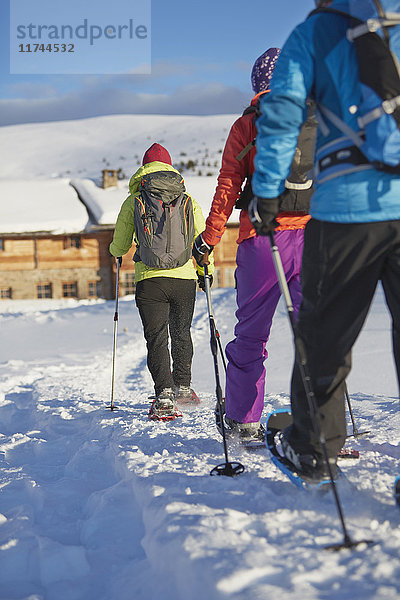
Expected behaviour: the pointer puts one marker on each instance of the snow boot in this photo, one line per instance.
(185, 395)
(251, 435)
(247, 432)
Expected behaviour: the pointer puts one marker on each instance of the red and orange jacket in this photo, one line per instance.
(232, 174)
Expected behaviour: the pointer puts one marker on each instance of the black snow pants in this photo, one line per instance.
(167, 303)
(342, 265)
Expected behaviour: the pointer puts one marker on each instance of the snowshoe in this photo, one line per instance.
(163, 407)
(185, 395)
(348, 453)
(310, 474)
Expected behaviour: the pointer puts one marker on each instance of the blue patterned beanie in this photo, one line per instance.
(263, 68)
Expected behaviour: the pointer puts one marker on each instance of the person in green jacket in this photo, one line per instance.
(165, 274)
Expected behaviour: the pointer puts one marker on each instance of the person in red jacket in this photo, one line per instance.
(257, 286)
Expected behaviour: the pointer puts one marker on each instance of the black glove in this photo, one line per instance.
(119, 260)
(262, 213)
(201, 282)
(201, 251)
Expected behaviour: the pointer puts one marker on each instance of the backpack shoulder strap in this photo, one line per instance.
(253, 109)
(249, 110)
(327, 9)
(187, 202)
(246, 150)
(360, 27)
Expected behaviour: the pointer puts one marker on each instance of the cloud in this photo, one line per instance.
(96, 99)
(27, 89)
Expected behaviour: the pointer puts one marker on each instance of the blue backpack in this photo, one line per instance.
(374, 29)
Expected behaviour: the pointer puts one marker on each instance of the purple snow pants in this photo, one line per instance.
(257, 293)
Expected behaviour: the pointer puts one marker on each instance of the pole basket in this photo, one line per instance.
(349, 544)
(358, 434)
(229, 469)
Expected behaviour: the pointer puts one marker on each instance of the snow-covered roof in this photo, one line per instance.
(50, 205)
(53, 205)
(202, 189)
(104, 205)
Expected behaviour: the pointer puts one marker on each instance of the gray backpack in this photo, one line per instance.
(163, 220)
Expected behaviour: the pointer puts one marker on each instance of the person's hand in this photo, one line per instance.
(201, 250)
(201, 282)
(262, 213)
(119, 260)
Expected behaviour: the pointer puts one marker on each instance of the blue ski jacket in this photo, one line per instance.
(318, 62)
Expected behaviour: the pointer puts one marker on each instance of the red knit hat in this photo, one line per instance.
(156, 152)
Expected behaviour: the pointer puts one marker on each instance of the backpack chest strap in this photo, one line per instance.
(388, 107)
(372, 26)
(340, 159)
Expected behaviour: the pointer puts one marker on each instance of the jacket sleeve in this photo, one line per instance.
(283, 111)
(199, 225)
(231, 177)
(124, 229)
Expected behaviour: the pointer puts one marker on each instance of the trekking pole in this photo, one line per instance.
(112, 407)
(301, 360)
(355, 433)
(217, 411)
(220, 349)
(230, 469)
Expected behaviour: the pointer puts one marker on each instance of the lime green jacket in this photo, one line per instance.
(124, 232)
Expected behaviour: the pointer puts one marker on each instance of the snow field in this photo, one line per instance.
(108, 505)
(115, 141)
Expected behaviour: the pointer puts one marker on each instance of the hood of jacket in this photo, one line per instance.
(151, 167)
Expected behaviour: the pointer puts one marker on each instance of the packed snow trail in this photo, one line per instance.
(101, 505)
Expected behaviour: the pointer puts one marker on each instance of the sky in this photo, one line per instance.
(201, 59)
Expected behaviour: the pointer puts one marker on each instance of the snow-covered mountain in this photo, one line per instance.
(83, 147)
(101, 505)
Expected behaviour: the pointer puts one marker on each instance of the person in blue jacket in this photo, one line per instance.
(353, 238)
